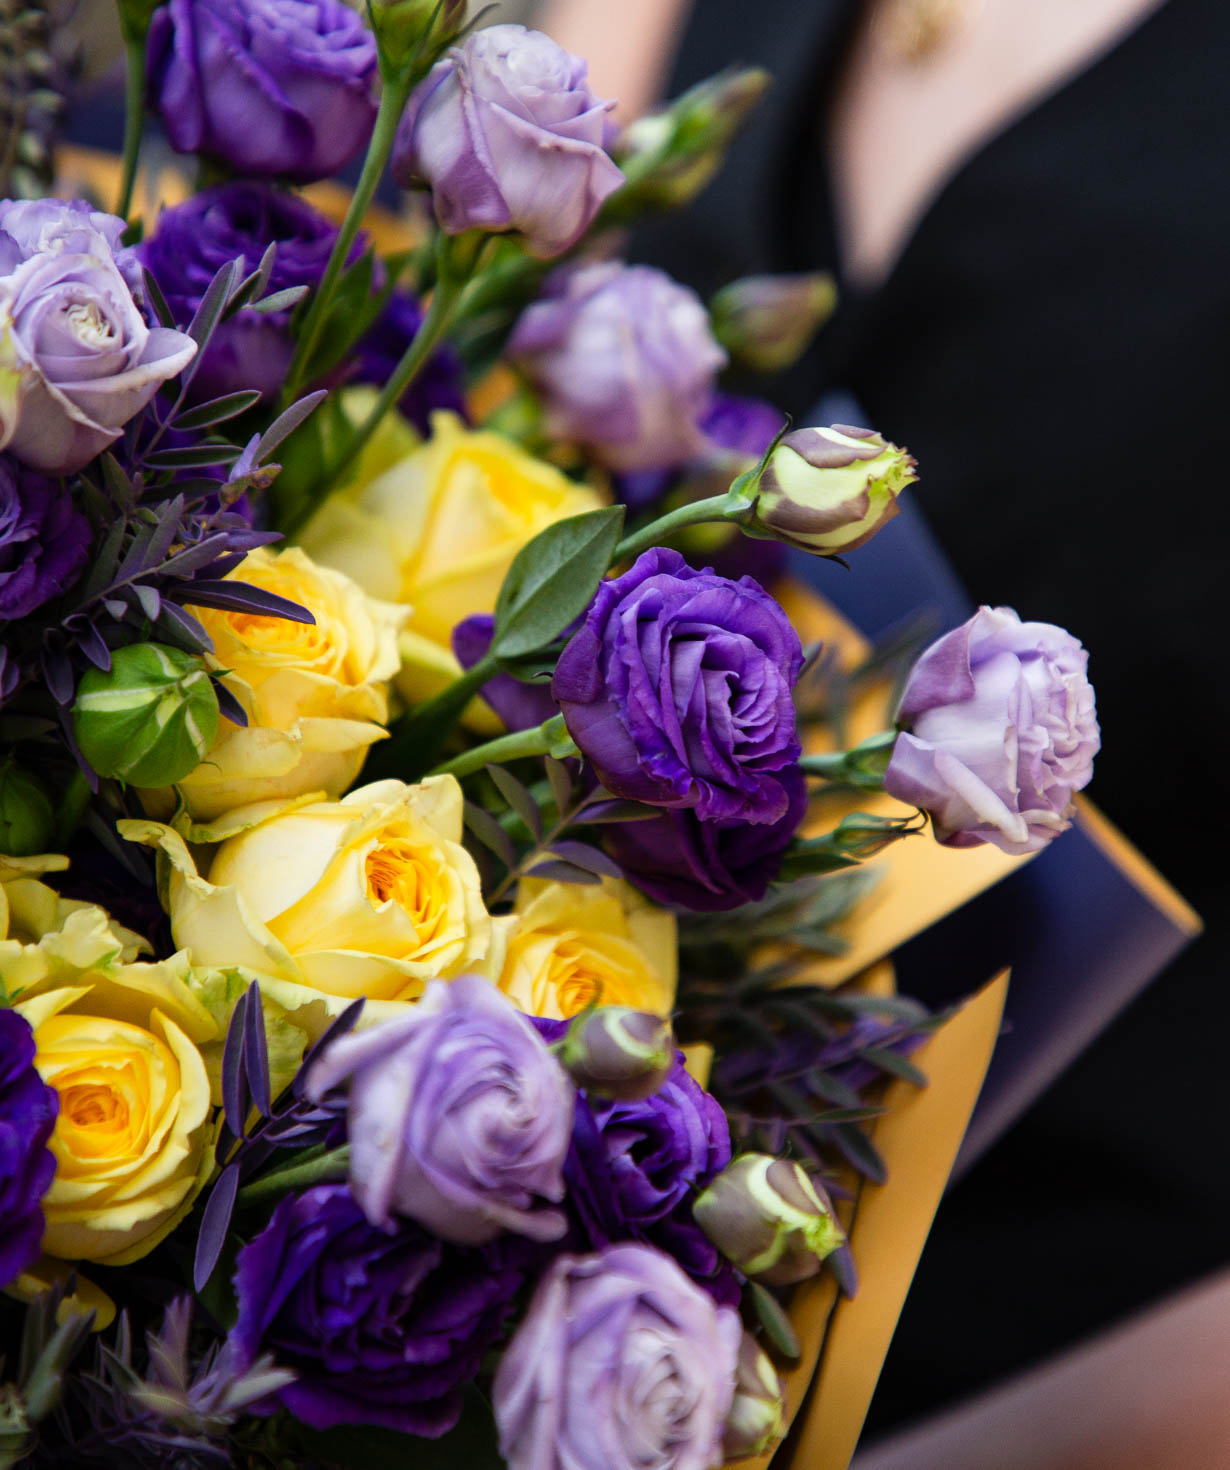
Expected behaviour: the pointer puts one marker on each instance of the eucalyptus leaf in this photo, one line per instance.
(774, 1320)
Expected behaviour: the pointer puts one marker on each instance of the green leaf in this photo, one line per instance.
(553, 580)
(774, 1320)
(519, 799)
(888, 1060)
(489, 832)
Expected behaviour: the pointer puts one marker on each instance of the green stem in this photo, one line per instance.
(72, 808)
(134, 114)
(393, 100)
(715, 508)
(326, 1166)
(549, 738)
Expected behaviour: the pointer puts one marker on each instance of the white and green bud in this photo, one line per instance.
(27, 818)
(766, 323)
(769, 1218)
(402, 27)
(668, 156)
(149, 719)
(828, 490)
(757, 1418)
(618, 1052)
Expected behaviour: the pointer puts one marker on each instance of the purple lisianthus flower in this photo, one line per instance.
(625, 362)
(379, 1328)
(620, 1363)
(506, 134)
(678, 688)
(439, 385)
(239, 221)
(634, 1168)
(78, 359)
(28, 1109)
(683, 862)
(998, 732)
(44, 540)
(270, 87)
(459, 1116)
(519, 705)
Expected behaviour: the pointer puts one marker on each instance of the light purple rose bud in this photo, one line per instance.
(459, 1116)
(270, 87)
(506, 134)
(758, 1415)
(768, 322)
(619, 1052)
(621, 1363)
(999, 732)
(770, 1218)
(625, 362)
(77, 360)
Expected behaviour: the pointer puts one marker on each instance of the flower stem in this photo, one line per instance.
(393, 98)
(549, 738)
(134, 113)
(715, 508)
(331, 1165)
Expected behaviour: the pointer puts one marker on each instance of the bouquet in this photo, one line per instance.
(427, 838)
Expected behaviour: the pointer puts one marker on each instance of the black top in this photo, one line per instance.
(1050, 345)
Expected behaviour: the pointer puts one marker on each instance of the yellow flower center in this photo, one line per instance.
(577, 976)
(409, 874)
(305, 641)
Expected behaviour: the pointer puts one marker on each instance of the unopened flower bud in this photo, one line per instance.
(668, 156)
(150, 718)
(767, 322)
(757, 1418)
(27, 819)
(401, 26)
(617, 1052)
(769, 1218)
(828, 490)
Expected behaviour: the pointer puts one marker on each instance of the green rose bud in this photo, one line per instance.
(767, 322)
(150, 719)
(402, 26)
(828, 490)
(757, 1418)
(617, 1052)
(670, 155)
(27, 819)
(769, 1218)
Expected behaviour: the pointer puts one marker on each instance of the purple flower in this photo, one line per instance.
(678, 688)
(518, 704)
(379, 1329)
(44, 540)
(681, 861)
(459, 1116)
(28, 1109)
(238, 221)
(634, 1168)
(439, 385)
(741, 426)
(507, 136)
(621, 1363)
(999, 732)
(270, 87)
(625, 362)
(77, 360)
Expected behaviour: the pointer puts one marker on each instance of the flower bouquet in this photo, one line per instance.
(426, 842)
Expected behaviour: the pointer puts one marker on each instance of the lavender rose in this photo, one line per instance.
(678, 688)
(620, 1363)
(507, 136)
(999, 732)
(683, 862)
(28, 1109)
(44, 540)
(625, 362)
(238, 221)
(378, 1328)
(459, 1116)
(77, 359)
(270, 87)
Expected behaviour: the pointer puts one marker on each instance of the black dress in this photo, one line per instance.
(1052, 346)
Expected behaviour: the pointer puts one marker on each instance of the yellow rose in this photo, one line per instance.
(316, 695)
(438, 530)
(132, 1141)
(325, 901)
(573, 945)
